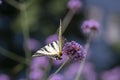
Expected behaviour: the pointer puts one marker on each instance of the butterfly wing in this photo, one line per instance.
(54, 49)
(51, 50)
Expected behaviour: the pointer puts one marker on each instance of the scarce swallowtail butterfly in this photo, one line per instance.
(52, 50)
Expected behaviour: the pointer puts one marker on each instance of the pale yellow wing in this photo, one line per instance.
(54, 49)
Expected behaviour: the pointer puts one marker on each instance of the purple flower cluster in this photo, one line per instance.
(1, 2)
(36, 74)
(37, 68)
(90, 25)
(4, 77)
(57, 77)
(74, 5)
(33, 44)
(88, 71)
(113, 74)
(71, 71)
(39, 62)
(74, 50)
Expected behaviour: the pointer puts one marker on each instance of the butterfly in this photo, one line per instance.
(52, 50)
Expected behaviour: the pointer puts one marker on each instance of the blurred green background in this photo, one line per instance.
(22, 20)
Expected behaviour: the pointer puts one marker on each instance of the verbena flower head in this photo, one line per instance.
(39, 62)
(36, 74)
(74, 50)
(113, 74)
(51, 38)
(74, 5)
(57, 77)
(4, 77)
(90, 25)
(33, 44)
(89, 72)
(71, 71)
(1, 2)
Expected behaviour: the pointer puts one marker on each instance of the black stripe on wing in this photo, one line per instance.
(54, 45)
(45, 50)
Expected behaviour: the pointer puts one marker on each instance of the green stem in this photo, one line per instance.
(48, 70)
(61, 66)
(14, 4)
(17, 68)
(67, 20)
(12, 55)
(87, 45)
(25, 29)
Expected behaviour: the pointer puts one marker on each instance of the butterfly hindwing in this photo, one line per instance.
(51, 50)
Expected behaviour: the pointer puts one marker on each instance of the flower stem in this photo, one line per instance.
(12, 55)
(14, 4)
(25, 29)
(61, 66)
(87, 45)
(67, 20)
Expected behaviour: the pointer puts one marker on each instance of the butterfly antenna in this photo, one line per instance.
(60, 37)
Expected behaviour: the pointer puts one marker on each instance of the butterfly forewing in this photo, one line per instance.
(54, 49)
(51, 50)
